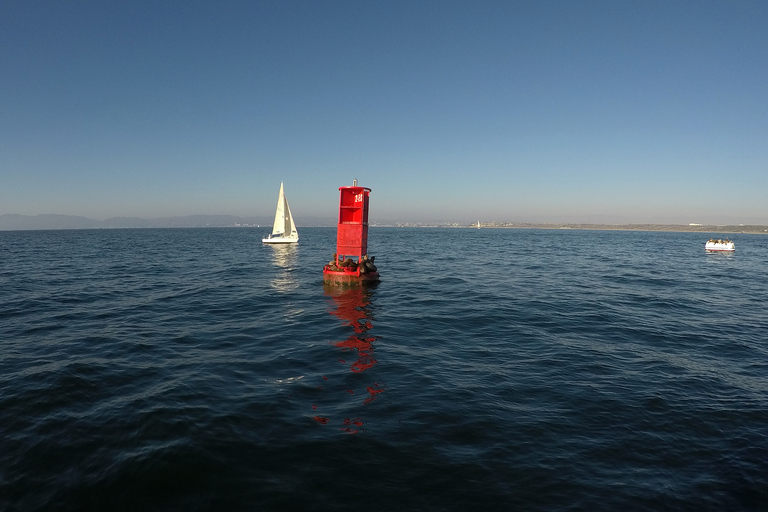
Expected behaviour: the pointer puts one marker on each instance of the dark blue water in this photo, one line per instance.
(490, 370)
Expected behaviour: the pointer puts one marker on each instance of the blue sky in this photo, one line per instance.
(549, 111)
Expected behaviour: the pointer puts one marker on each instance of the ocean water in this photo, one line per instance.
(197, 369)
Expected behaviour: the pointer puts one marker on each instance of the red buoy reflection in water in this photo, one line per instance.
(352, 306)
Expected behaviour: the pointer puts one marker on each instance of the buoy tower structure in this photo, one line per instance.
(351, 264)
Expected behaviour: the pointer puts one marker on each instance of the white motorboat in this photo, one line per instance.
(719, 245)
(284, 229)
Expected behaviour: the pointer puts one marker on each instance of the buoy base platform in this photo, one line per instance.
(351, 277)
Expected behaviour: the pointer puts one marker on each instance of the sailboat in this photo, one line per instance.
(284, 230)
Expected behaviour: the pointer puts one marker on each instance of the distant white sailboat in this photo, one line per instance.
(284, 229)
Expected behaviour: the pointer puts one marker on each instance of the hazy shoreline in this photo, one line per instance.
(14, 222)
(757, 229)
(753, 229)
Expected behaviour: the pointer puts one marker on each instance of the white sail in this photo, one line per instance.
(278, 228)
(283, 229)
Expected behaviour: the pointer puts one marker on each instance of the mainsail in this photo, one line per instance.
(278, 228)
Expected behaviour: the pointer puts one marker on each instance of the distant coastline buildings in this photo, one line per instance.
(13, 222)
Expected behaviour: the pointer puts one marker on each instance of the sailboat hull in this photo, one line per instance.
(280, 240)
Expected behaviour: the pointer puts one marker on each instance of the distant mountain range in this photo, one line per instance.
(10, 222)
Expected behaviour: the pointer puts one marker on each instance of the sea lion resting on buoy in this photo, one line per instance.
(366, 264)
(348, 263)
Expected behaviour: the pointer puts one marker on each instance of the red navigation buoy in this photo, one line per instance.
(351, 263)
